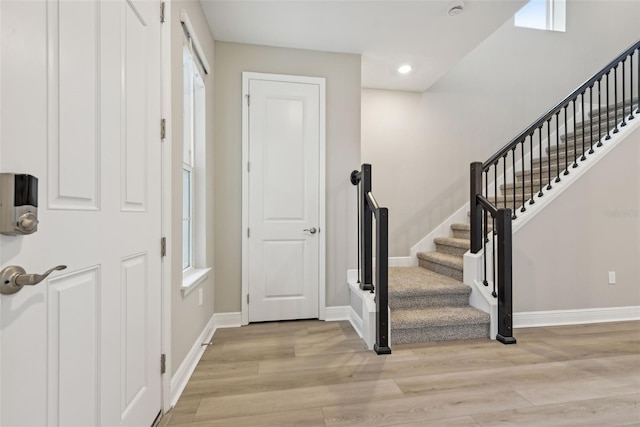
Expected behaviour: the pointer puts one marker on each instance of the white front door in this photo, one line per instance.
(284, 126)
(80, 110)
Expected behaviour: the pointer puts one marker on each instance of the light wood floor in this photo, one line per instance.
(313, 373)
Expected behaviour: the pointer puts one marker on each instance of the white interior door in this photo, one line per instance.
(284, 144)
(80, 110)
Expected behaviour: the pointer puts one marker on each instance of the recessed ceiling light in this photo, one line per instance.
(405, 69)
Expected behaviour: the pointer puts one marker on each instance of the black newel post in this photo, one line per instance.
(366, 231)
(382, 292)
(505, 291)
(475, 207)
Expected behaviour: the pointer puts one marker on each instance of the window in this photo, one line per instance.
(542, 15)
(193, 167)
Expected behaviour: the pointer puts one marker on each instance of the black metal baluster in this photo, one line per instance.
(513, 172)
(591, 119)
(624, 101)
(484, 231)
(495, 182)
(504, 179)
(583, 158)
(558, 146)
(531, 201)
(540, 151)
(575, 136)
(549, 152)
(615, 98)
(608, 137)
(524, 177)
(566, 142)
(631, 116)
(599, 144)
(493, 236)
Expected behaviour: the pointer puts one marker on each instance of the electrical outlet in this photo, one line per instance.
(612, 277)
(200, 296)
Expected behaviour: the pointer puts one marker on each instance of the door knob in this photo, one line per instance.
(311, 230)
(13, 278)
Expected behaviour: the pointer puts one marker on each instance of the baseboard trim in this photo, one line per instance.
(575, 317)
(180, 379)
(340, 312)
(344, 312)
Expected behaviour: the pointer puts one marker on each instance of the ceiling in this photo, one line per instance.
(386, 33)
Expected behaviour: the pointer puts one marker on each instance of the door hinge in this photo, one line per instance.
(163, 246)
(248, 166)
(248, 232)
(163, 363)
(163, 128)
(247, 298)
(248, 100)
(162, 5)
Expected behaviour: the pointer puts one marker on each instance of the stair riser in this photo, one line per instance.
(459, 234)
(444, 333)
(451, 250)
(457, 300)
(603, 111)
(545, 175)
(441, 269)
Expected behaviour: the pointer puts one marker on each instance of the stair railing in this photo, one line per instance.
(568, 140)
(368, 209)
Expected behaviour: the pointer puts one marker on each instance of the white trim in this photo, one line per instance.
(192, 279)
(165, 327)
(356, 322)
(184, 19)
(575, 317)
(228, 320)
(322, 285)
(461, 216)
(337, 313)
(180, 379)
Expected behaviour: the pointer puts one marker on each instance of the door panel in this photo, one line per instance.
(80, 110)
(284, 144)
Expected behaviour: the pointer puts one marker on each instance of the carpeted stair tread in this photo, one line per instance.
(447, 260)
(452, 241)
(405, 282)
(437, 317)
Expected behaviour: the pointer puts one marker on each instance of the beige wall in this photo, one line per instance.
(420, 145)
(561, 258)
(188, 319)
(342, 73)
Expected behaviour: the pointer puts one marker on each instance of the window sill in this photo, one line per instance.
(192, 279)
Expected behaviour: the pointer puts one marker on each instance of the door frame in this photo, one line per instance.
(166, 202)
(321, 82)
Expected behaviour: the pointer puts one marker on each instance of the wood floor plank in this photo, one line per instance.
(313, 372)
(213, 369)
(610, 412)
(417, 409)
(304, 418)
(293, 400)
(465, 421)
(266, 382)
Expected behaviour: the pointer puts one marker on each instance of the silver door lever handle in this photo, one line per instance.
(13, 278)
(311, 230)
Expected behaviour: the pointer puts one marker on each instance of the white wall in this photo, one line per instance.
(420, 145)
(562, 256)
(342, 73)
(188, 318)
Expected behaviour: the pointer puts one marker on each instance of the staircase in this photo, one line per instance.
(430, 302)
